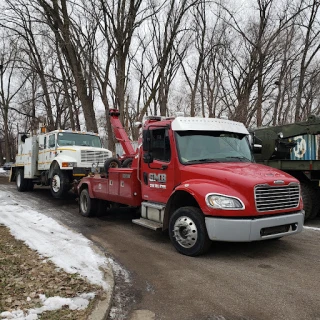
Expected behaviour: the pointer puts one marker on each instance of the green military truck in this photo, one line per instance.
(293, 148)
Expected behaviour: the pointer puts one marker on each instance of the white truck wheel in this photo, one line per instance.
(21, 182)
(59, 185)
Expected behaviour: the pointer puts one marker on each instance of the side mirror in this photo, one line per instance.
(257, 148)
(146, 140)
(147, 158)
(250, 138)
(257, 145)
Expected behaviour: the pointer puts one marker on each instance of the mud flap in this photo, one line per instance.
(12, 176)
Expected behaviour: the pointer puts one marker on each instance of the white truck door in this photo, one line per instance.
(30, 165)
(42, 152)
(50, 153)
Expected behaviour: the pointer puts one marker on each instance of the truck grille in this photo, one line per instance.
(96, 156)
(269, 198)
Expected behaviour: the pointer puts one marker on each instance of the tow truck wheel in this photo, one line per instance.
(21, 182)
(59, 185)
(188, 232)
(87, 205)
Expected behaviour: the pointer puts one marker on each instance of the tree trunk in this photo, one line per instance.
(6, 134)
(60, 25)
(241, 112)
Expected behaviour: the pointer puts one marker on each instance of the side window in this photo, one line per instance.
(52, 141)
(160, 144)
(45, 143)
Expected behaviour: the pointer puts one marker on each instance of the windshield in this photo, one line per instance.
(212, 146)
(77, 139)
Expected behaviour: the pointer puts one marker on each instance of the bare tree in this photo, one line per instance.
(213, 95)
(260, 39)
(288, 57)
(21, 24)
(166, 40)
(58, 19)
(116, 22)
(8, 90)
(311, 34)
(199, 33)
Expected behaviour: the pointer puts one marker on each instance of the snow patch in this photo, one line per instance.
(70, 251)
(119, 271)
(50, 304)
(4, 172)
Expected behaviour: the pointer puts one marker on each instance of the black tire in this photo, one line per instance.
(59, 183)
(315, 203)
(318, 196)
(309, 198)
(87, 205)
(21, 182)
(30, 185)
(111, 163)
(188, 232)
(127, 163)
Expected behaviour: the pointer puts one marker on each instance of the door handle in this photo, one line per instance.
(145, 178)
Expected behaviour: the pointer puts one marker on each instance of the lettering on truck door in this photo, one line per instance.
(157, 177)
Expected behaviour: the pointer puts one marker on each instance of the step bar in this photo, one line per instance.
(153, 225)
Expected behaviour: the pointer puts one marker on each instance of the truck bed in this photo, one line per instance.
(121, 186)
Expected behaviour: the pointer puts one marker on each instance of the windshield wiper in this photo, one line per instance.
(239, 158)
(202, 160)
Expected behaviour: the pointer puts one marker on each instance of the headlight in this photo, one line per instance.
(219, 201)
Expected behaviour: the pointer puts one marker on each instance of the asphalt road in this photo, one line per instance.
(248, 281)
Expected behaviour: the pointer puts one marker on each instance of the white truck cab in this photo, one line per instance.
(56, 159)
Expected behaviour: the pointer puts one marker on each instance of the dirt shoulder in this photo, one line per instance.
(4, 178)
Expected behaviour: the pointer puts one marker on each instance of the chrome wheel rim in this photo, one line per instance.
(19, 180)
(185, 232)
(114, 164)
(56, 183)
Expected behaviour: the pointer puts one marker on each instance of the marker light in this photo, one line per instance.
(68, 164)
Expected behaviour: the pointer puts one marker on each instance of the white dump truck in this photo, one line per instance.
(57, 159)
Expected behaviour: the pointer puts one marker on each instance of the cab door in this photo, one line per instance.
(157, 177)
(42, 152)
(50, 152)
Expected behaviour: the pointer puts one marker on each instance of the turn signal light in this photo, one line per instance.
(68, 164)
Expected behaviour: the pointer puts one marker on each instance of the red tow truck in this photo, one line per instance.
(197, 178)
